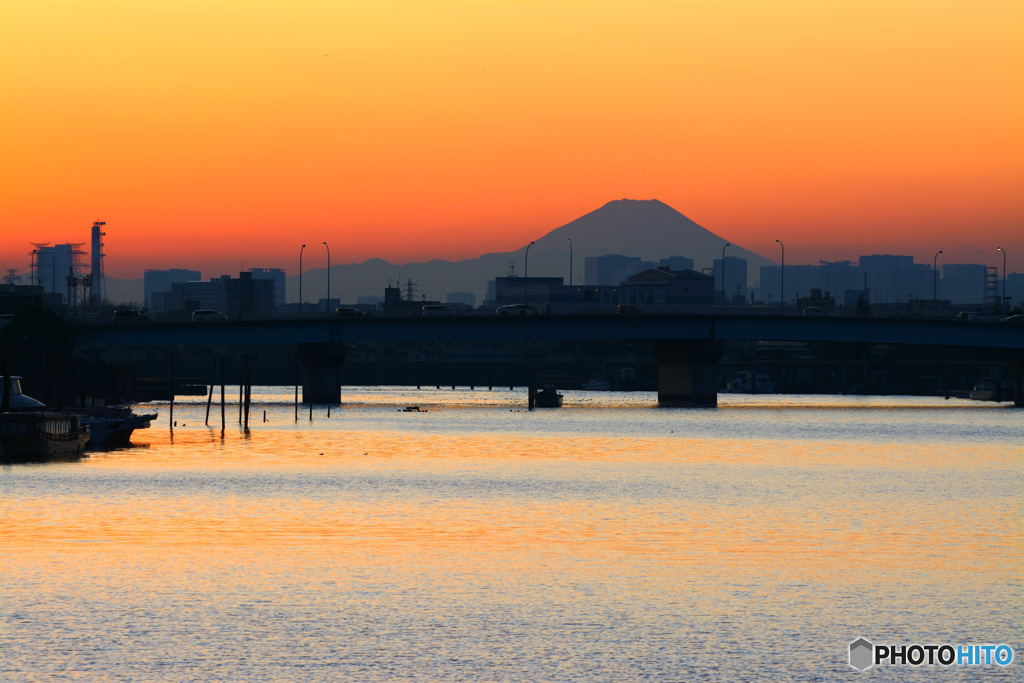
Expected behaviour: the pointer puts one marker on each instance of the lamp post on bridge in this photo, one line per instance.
(935, 284)
(526, 274)
(300, 277)
(328, 304)
(782, 280)
(1002, 303)
(724, 296)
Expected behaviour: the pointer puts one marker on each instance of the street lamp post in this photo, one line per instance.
(526, 274)
(782, 280)
(327, 306)
(1002, 303)
(570, 274)
(723, 274)
(300, 277)
(935, 284)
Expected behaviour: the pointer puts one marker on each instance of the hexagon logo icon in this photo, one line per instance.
(861, 654)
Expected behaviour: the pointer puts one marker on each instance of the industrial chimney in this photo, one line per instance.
(98, 293)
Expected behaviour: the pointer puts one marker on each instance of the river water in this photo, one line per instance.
(609, 540)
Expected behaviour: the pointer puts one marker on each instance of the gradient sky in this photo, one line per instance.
(224, 134)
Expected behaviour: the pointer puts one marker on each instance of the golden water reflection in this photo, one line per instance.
(550, 534)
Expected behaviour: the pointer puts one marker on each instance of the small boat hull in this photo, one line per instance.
(29, 436)
(114, 425)
(547, 398)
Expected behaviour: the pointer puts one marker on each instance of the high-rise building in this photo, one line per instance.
(734, 283)
(464, 298)
(962, 283)
(878, 269)
(676, 263)
(275, 274)
(154, 281)
(611, 269)
(239, 297)
(57, 267)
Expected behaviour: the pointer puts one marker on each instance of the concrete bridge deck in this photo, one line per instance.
(686, 347)
(494, 328)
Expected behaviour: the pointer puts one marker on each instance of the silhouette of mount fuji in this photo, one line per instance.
(648, 228)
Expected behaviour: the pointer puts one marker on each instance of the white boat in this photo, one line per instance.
(15, 400)
(112, 424)
(597, 384)
(108, 424)
(991, 390)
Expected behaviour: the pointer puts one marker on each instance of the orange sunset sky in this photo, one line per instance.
(216, 134)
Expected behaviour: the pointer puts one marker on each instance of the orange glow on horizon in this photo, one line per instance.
(212, 134)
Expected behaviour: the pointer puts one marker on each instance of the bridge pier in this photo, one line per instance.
(687, 372)
(1015, 366)
(321, 376)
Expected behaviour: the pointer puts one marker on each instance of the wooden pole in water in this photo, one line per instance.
(241, 388)
(296, 395)
(223, 382)
(248, 394)
(171, 418)
(209, 397)
(531, 392)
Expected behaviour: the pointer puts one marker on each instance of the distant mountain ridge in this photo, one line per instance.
(648, 228)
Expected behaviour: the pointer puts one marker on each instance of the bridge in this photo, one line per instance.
(687, 347)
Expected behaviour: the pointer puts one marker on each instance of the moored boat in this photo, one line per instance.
(991, 389)
(31, 435)
(112, 425)
(548, 397)
(751, 383)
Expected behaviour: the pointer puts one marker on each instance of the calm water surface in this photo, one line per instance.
(607, 541)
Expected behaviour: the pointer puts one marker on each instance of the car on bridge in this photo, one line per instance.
(204, 315)
(517, 309)
(432, 310)
(130, 317)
